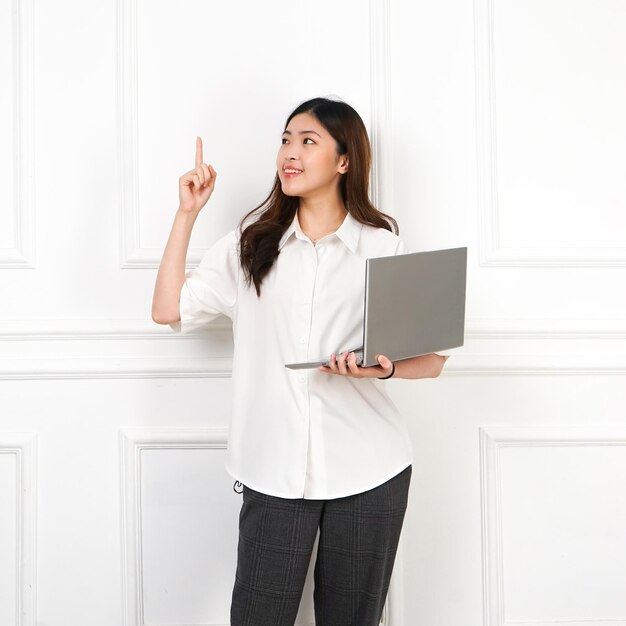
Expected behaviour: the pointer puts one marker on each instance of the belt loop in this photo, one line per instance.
(238, 484)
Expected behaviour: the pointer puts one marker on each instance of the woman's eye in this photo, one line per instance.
(283, 140)
(307, 139)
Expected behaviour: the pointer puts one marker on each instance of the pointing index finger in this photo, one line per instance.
(198, 151)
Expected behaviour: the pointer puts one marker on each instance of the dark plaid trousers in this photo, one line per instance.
(357, 546)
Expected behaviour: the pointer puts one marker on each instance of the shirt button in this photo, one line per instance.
(301, 378)
(302, 339)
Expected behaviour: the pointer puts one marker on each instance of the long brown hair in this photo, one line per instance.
(259, 240)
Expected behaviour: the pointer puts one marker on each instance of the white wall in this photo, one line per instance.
(508, 135)
(496, 125)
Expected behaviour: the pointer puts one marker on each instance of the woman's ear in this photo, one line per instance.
(344, 162)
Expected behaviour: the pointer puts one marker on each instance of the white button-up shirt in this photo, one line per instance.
(301, 433)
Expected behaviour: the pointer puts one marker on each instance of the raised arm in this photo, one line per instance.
(194, 190)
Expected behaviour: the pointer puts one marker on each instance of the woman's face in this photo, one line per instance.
(307, 162)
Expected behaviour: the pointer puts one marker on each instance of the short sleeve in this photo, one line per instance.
(401, 247)
(210, 289)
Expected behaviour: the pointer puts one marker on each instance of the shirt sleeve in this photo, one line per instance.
(210, 289)
(401, 248)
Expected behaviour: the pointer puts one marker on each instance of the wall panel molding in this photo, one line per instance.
(131, 443)
(492, 439)
(24, 447)
(461, 364)
(21, 254)
(94, 329)
(545, 328)
(132, 253)
(492, 252)
(381, 131)
(103, 349)
(99, 349)
(118, 368)
(74, 329)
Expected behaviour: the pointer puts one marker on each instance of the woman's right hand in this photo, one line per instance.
(196, 186)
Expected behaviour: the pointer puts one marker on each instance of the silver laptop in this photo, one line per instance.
(414, 304)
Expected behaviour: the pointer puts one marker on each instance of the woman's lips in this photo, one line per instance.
(290, 172)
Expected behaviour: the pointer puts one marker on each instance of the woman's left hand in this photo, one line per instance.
(345, 365)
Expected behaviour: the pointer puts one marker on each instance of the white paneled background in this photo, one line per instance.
(8, 535)
(496, 124)
(16, 131)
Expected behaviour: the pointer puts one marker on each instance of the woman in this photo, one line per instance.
(315, 449)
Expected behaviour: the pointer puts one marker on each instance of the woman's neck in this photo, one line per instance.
(319, 218)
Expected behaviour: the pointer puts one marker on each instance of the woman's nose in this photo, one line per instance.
(290, 152)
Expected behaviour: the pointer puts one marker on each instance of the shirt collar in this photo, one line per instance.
(290, 231)
(349, 232)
